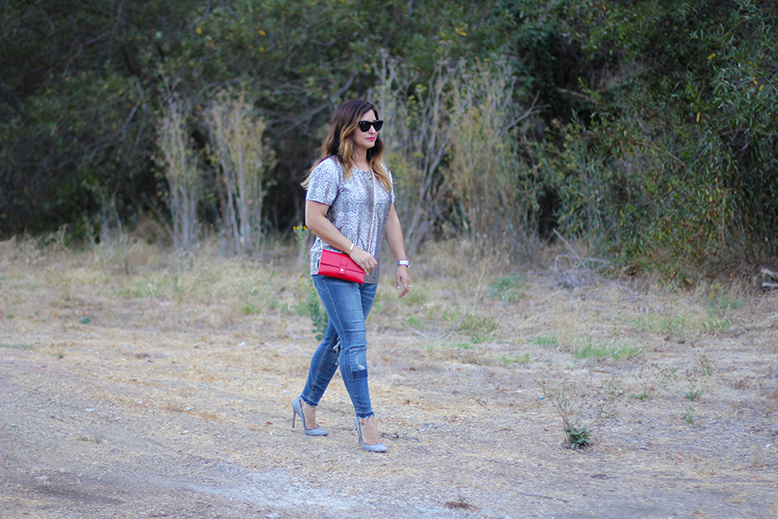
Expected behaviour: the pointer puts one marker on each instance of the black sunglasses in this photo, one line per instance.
(365, 125)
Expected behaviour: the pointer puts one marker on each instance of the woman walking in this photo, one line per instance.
(350, 208)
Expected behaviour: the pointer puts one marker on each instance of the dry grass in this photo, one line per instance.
(477, 372)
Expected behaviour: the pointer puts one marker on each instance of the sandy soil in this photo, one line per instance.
(119, 404)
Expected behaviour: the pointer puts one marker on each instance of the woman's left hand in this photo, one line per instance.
(364, 259)
(403, 279)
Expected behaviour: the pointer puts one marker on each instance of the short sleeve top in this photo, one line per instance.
(350, 209)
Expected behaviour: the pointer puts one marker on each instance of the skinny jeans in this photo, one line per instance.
(345, 342)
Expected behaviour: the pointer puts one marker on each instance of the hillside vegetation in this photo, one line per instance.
(645, 129)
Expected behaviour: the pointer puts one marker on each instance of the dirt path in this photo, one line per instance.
(116, 407)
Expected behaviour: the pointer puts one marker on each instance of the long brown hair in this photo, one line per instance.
(338, 144)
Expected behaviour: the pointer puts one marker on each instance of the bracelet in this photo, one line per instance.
(404, 263)
(351, 248)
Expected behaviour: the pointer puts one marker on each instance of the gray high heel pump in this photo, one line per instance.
(371, 447)
(297, 409)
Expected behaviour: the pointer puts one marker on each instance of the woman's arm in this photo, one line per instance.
(394, 237)
(316, 220)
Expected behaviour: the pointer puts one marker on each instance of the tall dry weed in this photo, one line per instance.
(492, 198)
(452, 147)
(242, 158)
(179, 164)
(419, 124)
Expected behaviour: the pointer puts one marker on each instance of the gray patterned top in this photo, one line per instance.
(351, 209)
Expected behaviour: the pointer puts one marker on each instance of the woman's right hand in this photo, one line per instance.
(364, 259)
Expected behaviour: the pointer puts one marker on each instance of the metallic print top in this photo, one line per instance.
(350, 209)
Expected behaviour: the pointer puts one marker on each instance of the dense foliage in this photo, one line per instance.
(647, 128)
(678, 166)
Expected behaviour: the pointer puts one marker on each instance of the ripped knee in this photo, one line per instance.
(357, 362)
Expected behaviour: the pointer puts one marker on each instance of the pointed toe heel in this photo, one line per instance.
(297, 410)
(370, 447)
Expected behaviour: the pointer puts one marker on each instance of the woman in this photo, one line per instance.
(350, 208)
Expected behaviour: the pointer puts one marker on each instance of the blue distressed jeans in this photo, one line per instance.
(345, 342)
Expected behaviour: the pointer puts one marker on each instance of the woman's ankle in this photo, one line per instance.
(369, 428)
(309, 412)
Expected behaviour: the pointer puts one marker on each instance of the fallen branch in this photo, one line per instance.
(575, 256)
(770, 273)
(580, 260)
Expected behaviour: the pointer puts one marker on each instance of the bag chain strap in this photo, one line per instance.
(372, 221)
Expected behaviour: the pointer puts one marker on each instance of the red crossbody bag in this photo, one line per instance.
(340, 265)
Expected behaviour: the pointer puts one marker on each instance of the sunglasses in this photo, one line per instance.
(364, 126)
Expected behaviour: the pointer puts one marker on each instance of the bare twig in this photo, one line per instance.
(575, 254)
(414, 330)
(544, 497)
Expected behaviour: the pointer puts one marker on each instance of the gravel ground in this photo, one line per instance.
(120, 406)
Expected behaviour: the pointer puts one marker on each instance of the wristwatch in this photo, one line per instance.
(404, 263)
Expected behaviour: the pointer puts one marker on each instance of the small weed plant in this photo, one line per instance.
(18, 345)
(577, 438)
(698, 378)
(571, 413)
(652, 380)
(720, 303)
(675, 325)
(508, 289)
(478, 327)
(310, 299)
(583, 406)
(608, 350)
(510, 360)
(543, 340)
(688, 417)
(716, 326)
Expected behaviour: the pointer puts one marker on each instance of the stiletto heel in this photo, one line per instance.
(371, 447)
(297, 409)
